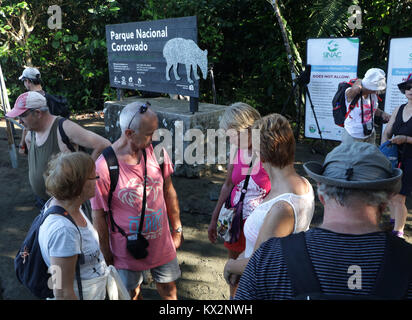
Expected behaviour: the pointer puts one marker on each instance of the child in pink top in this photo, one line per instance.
(258, 188)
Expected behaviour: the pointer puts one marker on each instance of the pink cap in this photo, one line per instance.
(26, 101)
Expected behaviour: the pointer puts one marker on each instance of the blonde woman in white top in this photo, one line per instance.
(289, 206)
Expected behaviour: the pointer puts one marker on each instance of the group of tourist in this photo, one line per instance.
(135, 223)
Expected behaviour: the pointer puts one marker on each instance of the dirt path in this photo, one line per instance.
(201, 262)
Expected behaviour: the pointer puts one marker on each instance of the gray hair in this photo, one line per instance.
(127, 114)
(345, 196)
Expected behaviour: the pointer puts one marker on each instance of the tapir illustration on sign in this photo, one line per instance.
(184, 51)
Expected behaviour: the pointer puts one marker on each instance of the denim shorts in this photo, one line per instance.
(166, 273)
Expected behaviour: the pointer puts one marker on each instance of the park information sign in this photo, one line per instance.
(399, 67)
(333, 61)
(157, 56)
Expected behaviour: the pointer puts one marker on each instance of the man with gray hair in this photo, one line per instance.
(347, 256)
(44, 138)
(144, 188)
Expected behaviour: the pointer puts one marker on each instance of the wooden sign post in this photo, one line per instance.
(4, 101)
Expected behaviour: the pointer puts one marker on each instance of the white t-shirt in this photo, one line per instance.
(353, 123)
(58, 237)
(303, 208)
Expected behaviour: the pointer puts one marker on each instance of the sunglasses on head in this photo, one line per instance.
(142, 109)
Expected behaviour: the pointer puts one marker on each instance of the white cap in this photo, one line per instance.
(30, 73)
(374, 80)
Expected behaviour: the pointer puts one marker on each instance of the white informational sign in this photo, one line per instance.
(333, 61)
(399, 67)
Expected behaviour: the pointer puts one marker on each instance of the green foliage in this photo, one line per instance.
(243, 39)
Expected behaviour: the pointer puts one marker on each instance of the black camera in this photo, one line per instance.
(367, 128)
(137, 246)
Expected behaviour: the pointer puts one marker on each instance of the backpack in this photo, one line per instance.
(339, 103)
(29, 265)
(57, 105)
(392, 279)
(390, 151)
(66, 139)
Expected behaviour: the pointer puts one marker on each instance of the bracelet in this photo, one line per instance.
(178, 230)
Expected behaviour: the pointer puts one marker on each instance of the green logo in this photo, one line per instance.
(312, 129)
(333, 50)
(333, 46)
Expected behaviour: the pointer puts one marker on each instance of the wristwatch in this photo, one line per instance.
(178, 230)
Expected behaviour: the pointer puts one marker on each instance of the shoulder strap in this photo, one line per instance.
(113, 166)
(65, 138)
(80, 259)
(352, 105)
(246, 183)
(394, 275)
(299, 265)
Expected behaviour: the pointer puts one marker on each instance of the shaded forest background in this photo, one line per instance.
(243, 38)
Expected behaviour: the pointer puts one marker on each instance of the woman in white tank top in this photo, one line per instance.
(289, 206)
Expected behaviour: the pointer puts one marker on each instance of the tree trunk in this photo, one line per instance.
(291, 60)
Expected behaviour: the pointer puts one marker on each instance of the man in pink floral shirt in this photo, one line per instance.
(138, 124)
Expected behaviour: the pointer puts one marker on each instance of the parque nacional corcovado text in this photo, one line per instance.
(139, 34)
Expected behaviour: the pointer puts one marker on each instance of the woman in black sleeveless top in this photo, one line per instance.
(399, 131)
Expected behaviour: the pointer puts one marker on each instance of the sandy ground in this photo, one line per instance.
(200, 261)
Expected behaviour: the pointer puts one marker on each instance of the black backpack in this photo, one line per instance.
(339, 103)
(30, 268)
(392, 280)
(66, 139)
(57, 105)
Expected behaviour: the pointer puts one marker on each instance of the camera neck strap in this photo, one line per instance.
(113, 166)
(144, 193)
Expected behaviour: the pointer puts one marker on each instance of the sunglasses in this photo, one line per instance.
(26, 113)
(142, 109)
(408, 87)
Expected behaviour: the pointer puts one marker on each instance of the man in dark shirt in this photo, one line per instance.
(347, 251)
(31, 79)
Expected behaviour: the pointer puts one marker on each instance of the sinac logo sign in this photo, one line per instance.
(333, 51)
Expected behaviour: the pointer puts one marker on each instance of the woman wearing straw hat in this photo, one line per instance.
(399, 132)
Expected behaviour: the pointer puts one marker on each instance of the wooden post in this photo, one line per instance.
(4, 100)
(194, 105)
(119, 93)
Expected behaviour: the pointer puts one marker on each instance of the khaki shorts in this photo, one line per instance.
(347, 138)
(166, 273)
